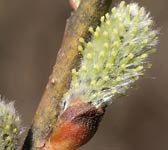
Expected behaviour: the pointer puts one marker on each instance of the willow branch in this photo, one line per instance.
(88, 14)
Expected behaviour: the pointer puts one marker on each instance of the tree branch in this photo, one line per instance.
(88, 14)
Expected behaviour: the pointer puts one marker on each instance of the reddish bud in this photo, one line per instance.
(73, 4)
(76, 126)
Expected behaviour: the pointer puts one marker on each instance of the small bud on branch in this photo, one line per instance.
(76, 125)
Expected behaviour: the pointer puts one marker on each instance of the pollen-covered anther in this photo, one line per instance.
(106, 45)
(144, 56)
(121, 68)
(127, 59)
(8, 139)
(114, 91)
(122, 4)
(96, 67)
(93, 96)
(76, 85)
(130, 46)
(108, 66)
(153, 35)
(81, 40)
(127, 17)
(139, 68)
(89, 45)
(144, 42)
(115, 31)
(80, 48)
(146, 28)
(15, 130)
(89, 56)
(84, 68)
(106, 78)
(141, 11)
(96, 34)
(134, 30)
(113, 10)
(136, 19)
(116, 45)
(107, 15)
(98, 29)
(118, 16)
(91, 30)
(136, 78)
(153, 50)
(130, 56)
(112, 58)
(108, 23)
(93, 83)
(102, 19)
(149, 22)
(118, 79)
(113, 54)
(121, 27)
(102, 54)
(7, 128)
(74, 72)
(105, 34)
(128, 9)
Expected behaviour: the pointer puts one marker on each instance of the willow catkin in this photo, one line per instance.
(115, 57)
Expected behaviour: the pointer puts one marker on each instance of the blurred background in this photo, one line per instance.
(30, 36)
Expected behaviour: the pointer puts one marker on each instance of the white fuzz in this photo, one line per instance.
(9, 126)
(115, 57)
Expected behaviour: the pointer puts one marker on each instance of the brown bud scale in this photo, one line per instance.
(76, 126)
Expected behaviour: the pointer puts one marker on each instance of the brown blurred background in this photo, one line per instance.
(30, 35)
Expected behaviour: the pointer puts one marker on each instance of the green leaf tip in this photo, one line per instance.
(115, 57)
(10, 126)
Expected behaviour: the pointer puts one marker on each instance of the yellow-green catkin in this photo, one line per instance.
(9, 126)
(116, 55)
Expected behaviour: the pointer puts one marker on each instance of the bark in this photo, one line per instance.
(88, 14)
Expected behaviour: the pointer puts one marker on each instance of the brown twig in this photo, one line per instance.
(88, 14)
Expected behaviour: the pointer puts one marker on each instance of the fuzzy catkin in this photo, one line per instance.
(9, 126)
(115, 57)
